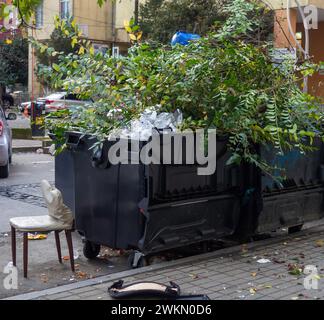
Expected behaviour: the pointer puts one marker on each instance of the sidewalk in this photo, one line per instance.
(19, 145)
(232, 273)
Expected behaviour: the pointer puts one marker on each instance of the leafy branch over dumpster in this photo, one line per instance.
(225, 80)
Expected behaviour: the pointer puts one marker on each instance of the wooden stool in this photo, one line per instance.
(38, 224)
(58, 219)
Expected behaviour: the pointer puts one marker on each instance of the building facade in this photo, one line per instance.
(9, 25)
(104, 27)
(284, 39)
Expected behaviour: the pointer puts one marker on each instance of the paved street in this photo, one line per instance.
(229, 274)
(21, 123)
(20, 194)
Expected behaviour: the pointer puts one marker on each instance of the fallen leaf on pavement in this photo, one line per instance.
(319, 243)
(194, 276)
(66, 258)
(268, 286)
(44, 278)
(253, 274)
(252, 291)
(81, 275)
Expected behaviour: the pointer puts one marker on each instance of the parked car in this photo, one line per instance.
(56, 101)
(5, 143)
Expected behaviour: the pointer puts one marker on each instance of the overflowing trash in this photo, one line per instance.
(141, 129)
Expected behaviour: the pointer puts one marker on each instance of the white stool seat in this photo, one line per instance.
(39, 224)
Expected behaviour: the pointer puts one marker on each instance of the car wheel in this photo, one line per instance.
(4, 171)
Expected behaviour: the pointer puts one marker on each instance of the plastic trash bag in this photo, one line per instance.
(141, 129)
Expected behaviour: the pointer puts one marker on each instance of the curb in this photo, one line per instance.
(160, 266)
(25, 149)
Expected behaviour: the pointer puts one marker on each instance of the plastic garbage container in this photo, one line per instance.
(149, 208)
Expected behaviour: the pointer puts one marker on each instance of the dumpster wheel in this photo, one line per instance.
(90, 249)
(136, 260)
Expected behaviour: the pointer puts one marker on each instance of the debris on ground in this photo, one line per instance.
(107, 253)
(44, 278)
(253, 291)
(319, 243)
(38, 236)
(81, 275)
(295, 269)
(263, 261)
(244, 248)
(279, 261)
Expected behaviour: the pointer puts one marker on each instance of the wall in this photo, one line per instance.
(316, 82)
(95, 21)
(278, 4)
(9, 34)
(282, 35)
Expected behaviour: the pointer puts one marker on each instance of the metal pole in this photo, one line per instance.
(136, 11)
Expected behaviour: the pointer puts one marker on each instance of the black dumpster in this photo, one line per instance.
(289, 198)
(148, 208)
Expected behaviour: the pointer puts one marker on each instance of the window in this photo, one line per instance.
(39, 15)
(65, 9)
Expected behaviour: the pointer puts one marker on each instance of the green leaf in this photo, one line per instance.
(56, 67)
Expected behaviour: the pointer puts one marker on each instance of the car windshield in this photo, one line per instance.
(56, 96)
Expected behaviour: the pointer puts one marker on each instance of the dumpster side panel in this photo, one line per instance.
(95, 198)
(64, 177)
(299, 169)
(291, 209)
(129, 220)
(183, 223)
